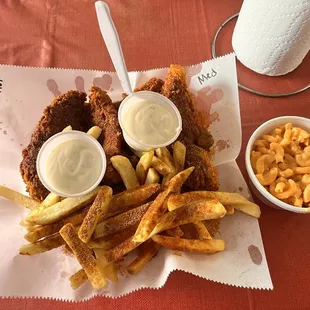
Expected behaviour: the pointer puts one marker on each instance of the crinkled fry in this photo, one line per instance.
(62, 209)
(120, 222)
(84, 256)
(190, 245)
(98, 208)
(47, 244)
(19, 198)
(150, 249)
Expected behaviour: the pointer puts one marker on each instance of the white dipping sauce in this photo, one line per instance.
(73, 166)
(150, 122)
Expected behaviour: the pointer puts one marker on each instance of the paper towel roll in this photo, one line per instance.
(272, 36)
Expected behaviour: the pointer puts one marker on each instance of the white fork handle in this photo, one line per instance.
(111, 39)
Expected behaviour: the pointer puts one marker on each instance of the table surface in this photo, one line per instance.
(155, 34)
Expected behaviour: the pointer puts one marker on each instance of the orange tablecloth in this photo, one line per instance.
(154, 34)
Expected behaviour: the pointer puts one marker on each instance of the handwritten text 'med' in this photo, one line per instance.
(207, 76)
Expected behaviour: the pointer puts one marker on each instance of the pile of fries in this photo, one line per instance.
(100, 228)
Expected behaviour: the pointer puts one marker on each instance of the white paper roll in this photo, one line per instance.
(272, 37)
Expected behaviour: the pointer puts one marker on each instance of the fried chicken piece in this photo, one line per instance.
(176, 90)
(205, 176)
(153, 84)
(66, 109)
(104, 115)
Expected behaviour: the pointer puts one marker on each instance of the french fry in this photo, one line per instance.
(21, 199)
(99, 207)
(47, 244)
(152, 176)
(233, 199)
(160, 166)
(151, 217)
(110, 241)
(179, 154)
(46, 230)
(62, 209)
(159, 207)
(194, 212)
(120, 222)
(230, 210)
(131, 197)
(143, 166)
(119, 251)
(202, 231)
(175, 232)
(126, 171)
(95, 132)
(166, 179)
(49, 201)
(190, 245)
(109, 271)
(68, 128)
(150, 249)
(78, 279)
(26, 224)
(164, 155)
(84, 256)
(176, 183)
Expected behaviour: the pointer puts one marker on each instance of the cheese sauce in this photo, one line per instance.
(74, 166)
(150, 122)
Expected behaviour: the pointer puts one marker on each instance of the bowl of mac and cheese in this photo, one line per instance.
(277, 160)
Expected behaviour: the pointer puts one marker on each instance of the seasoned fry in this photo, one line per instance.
(62, 209)
(47, 244)
(21, 199)
(84, 256)
(131, 197)
(202, 231)
(120, 222)
(160, 166)
(149, 250)
(164, 155)
(119, 251)
(95, 132)
(97, 209)
(190, 245)
(143, 166)
(126, 171)
(233, 199)
(178, 180)
(152, 176)
(166, 179)
(175, 232)
(110, 241)
(46, 230)
(68, 128)
(230, 210)
(78, 279)
(151, 217)
(194, 212)
(179, 154)
(109, 271)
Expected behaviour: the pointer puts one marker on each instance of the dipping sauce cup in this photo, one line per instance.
(149, 121)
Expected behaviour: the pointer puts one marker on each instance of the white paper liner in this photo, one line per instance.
(24, 96)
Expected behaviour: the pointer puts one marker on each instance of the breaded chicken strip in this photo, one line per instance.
(66, 109)
(205, 176)
(153, 84)
(175, 88)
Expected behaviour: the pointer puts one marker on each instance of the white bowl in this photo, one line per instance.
(257, 188)
(50, 145)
